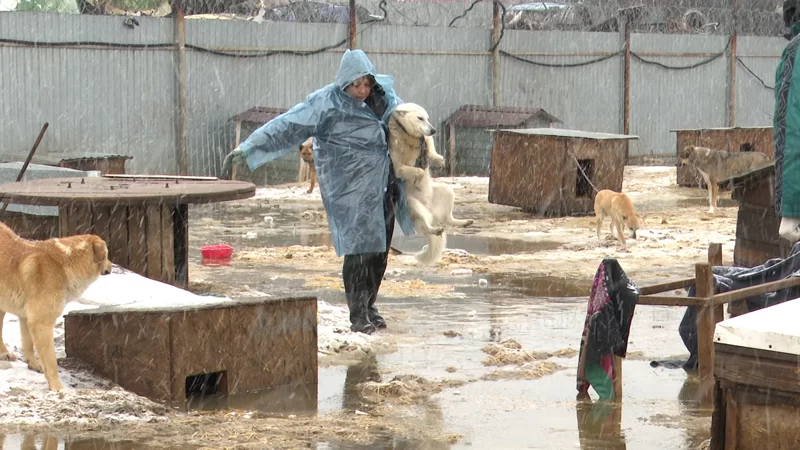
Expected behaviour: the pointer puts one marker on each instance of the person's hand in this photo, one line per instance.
(234, 157)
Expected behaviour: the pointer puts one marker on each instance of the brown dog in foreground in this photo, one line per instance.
(619, 207)
(307, 168)
(37, 279)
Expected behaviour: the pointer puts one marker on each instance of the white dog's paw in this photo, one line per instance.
(437, 160)
(35, 366)
(8, 356)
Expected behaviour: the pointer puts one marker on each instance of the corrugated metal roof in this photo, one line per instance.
(561, 132)
(501, 116)
(720, 129)
(259, 114)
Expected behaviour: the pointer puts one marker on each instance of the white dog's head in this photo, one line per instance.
(414, 120)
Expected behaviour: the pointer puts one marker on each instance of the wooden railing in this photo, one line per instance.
(709, 311)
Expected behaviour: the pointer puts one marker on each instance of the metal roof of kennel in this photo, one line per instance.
(497, 116)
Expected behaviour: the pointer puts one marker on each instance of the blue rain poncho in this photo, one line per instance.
(351, 155)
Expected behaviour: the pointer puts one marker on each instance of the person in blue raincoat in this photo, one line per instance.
(361, 195)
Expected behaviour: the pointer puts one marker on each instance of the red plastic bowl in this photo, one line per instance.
(219, 251)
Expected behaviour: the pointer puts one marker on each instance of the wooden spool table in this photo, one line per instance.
(144, 219)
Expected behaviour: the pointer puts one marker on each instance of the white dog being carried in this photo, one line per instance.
(430, 204)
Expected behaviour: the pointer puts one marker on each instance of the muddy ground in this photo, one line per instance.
(481, 349)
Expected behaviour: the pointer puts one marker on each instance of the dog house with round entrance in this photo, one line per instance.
(470, 139)
(555, 172)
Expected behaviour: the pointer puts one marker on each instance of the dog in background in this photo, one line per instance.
(430, 204)
(37, 279)
(620, 208)
(307, 169)
(718, 165)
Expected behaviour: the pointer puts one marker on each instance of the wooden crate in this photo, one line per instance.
(252, 345)
(757, 238)
(757, 380)
(758, 139)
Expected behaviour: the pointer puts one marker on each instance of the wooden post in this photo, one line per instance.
(715, 259)
(732, 79)
(626, 75)
(704, 280)
(352, 44)
(496, 18)
(617, 379)
(452, 150)
(180, 90)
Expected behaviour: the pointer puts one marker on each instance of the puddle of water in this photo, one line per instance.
(475, 244)
(540, 286)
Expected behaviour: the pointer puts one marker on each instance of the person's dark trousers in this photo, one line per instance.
(362, 273)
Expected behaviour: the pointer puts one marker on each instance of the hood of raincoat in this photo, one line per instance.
(350, 154)
(354, 65)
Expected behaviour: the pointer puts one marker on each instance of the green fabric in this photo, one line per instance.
(786, 127)
(599, 380)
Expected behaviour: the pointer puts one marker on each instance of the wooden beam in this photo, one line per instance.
(180, 91)
(739, 294)
(665, 300)
(732, 74)
(715, 259)
(452, 153)
(626, 103)
(669, 286)
(353, 28)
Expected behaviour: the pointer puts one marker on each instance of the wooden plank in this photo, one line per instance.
(180, 220)
(761, 372)
(452, 153)
(748, 253)
(118, 245)
(705, 331)
(167, 245)
(715, 259)
(718, 419)
(84, 218)
(101, 217)
(158, 177)
(663, 300)
(153, 241)
(617, 379)
(137, 240)
(731, 422)
(739, 294)
(669, 286)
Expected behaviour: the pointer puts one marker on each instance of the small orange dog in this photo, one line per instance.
(619, 207)
(307, 168)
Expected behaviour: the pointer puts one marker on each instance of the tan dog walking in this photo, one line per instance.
(620, 208)
(37, 279)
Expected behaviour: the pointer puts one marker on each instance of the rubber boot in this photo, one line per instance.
(373, 314)
(358, 303)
